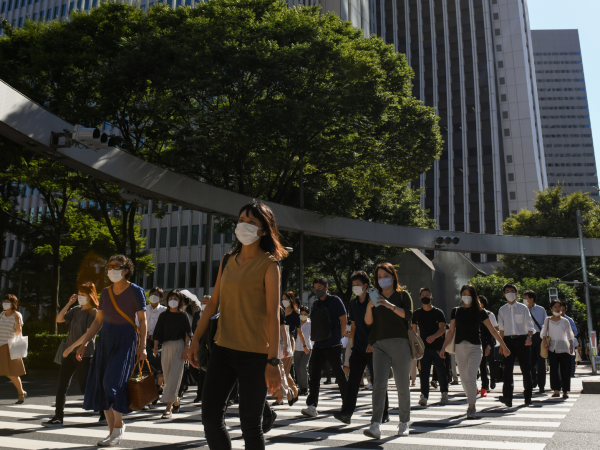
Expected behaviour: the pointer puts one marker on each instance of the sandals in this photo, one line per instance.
(175, 409)
(167, 415)
(22, 398)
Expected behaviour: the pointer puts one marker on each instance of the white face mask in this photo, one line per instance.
(556, 313)
(247, 233)
(467, 299)
(358, 290)
(510, 296)
(154, 299)
(385, 283)
(6, 306)
(115, 275)
(82, 299)
(173, 303)
(303, 318)
(285, 303)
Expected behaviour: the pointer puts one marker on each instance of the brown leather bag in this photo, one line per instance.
(142, 390)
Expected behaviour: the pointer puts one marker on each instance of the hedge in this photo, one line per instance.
(41, 351)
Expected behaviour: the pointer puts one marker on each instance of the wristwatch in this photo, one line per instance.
(273, 361)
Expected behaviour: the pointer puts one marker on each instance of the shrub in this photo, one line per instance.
(42, 349)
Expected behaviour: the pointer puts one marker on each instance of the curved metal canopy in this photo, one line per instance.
(29, 124)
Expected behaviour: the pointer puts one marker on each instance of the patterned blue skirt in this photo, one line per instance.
(111, 366)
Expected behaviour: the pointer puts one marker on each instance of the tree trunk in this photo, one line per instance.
(131, 230)
(55, 286)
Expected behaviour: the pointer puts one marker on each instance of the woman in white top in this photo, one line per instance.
(11, 325)
(302, 353)
(559, 350)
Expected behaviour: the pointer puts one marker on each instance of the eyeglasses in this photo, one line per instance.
(114, 267)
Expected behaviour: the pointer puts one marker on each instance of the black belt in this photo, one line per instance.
(515, 336)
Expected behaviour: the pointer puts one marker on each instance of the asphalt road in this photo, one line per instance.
(549, 424)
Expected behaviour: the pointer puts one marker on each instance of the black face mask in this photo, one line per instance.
(425, 300)
(320, 292)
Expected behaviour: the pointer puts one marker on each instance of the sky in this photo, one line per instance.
(583, 15)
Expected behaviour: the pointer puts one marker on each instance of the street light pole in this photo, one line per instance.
(301, 278)
(586, 286)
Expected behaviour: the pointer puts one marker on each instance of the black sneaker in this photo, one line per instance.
(505, 401)
(102, 418)
(386, 418)
(342, 417)
(528, 402)
(268, 421)
(542, 391)
(55, 422)
(327, 381)
(198, 399)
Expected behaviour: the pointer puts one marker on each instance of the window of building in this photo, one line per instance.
(3, 7)
(512, 195)
(513, 211)
(494, 2)
(173, 237)
(11, 248)
(181, 275)
(171, 276)
(506, 132)
(193, 277)
(215, 272)
(498, 47)
(497, 31)
(511, 177)
(500, 64)
(502, 80)
(183, 238)
(229, 236)
(216, 237)
(505, 114)
(152, 243)
(496, 16)
(163, 238)
(161, 275)
(503, 97)
(195, 234)
(509, 159)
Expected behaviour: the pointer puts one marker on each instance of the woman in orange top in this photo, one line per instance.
(246, 294)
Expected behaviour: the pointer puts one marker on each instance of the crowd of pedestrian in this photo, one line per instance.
(249, 340)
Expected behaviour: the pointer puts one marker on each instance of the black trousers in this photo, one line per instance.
(519, 350)
(226, 366)
(538, 364)
(317, 360)
(485, 380)
(68, 367)
(358, 361)
(432, 357)
(560, 371)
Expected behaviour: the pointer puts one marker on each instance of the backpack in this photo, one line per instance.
(320, 327)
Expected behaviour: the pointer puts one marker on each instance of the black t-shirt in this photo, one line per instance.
(429, 324)
(467, 327)
(281, 316)
(356, 313)
(172, 327)
(389, 325)
(293, 321)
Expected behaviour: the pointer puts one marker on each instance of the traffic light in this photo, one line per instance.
(93, 138)
(443, 241)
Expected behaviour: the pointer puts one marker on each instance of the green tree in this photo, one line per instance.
(243, 94)
(554, 215)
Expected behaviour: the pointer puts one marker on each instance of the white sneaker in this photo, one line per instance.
(310, 411)
(403, 429)
(104, 442)
(369, 385)
(423, 400)
(373, 431)
(444, 398)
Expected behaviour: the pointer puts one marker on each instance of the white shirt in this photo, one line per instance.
(152, 316)
(492, 319)
(306, 332)
(515, 319)
(560, 334)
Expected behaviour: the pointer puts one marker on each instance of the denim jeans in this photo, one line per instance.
(226, 366)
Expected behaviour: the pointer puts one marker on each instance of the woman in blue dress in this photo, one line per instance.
(117, 348)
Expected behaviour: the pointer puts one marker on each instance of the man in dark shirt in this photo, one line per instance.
(328, 349)
(362, 354)
(432, 328)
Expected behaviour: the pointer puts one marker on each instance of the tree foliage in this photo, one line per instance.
(240, 93)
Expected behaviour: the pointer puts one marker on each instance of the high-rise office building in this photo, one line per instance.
(473, 60)
(566, 127)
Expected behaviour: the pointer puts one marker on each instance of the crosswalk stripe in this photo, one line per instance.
(35, 444)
